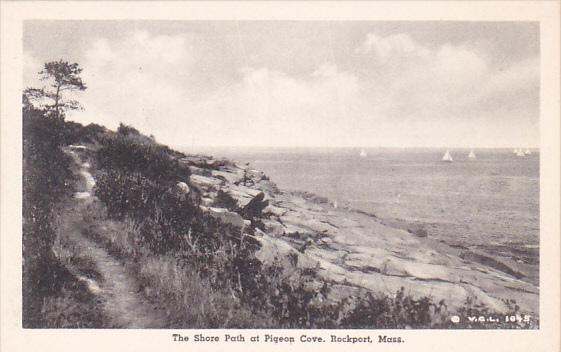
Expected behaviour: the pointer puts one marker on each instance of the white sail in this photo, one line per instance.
(471, 154)
(519, 152)
(363, 153)
(447, 157)
(528, 151)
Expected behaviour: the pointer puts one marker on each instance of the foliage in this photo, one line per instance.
(62, 76)
(400, 311)
(226, 201)
(46, 179)
(131, 153)
(127, 130)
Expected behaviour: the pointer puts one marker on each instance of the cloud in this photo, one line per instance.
(518, 76)
(393, 47)
(136, 80)
(31, 67)
(148, 81)
(394, 90)
(443, 80)
(448, 94)
(269, 107)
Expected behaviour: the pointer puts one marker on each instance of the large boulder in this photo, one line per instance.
(273, 227)
(249, 202)
(255, 175)
(204, 183)
(205, 162)
(275, 210)
(255, 206)
(183, 188)
(233, 176)
(226, 216)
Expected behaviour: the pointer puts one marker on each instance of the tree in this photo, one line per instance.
(62, 76)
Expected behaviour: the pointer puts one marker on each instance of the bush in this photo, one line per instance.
(46, 180)
(132, 153)
(400, 312)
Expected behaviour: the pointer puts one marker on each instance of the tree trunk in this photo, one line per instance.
(57, 97)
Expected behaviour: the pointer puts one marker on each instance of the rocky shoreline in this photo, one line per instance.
(351, 250)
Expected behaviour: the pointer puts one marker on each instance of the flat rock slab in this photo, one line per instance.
(357, 250)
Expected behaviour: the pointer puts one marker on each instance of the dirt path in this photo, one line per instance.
(106, 276)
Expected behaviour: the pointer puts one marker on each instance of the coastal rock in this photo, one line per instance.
(183, 188)
(301, 220)
(314, 198)
(199, 171)
(274, 210)
(241, 194)
(255, 206)
(249, 201)
(204, 183)
(255, 175)
(273, 252)
(195, 160)
(225, 216)
(231, 177)
(221, 163)
(273, 227)
(356, 251)
(267, 187)
(326, 240)
(207, 202)
(205, 162)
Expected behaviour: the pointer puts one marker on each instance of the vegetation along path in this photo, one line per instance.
(106, 277)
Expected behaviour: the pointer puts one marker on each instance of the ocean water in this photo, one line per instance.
(490, 201)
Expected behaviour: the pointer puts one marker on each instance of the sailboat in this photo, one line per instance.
(447, 157)
(519, 152)
(362, 153)
(515, 151)
(471, 155)
(527, 152)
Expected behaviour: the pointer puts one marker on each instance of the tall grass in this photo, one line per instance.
(52, 296)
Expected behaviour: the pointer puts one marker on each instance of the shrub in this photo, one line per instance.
(135, 153)
(47, 179)
(127, 130)
(224, 200)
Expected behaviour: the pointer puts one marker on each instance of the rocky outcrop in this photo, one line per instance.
(352, 251)
(227, 217)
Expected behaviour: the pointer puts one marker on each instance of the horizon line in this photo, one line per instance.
(350, 147)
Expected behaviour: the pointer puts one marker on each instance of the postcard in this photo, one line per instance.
(280, 175)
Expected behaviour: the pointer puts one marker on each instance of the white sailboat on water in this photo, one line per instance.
(363, 153)
(471, 155)
(527, 151)
(447, 157)
(519, 152)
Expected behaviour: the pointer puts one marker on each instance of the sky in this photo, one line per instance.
(302, 83)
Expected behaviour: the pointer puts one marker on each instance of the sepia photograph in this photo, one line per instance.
(230, 180)
(280, 174)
